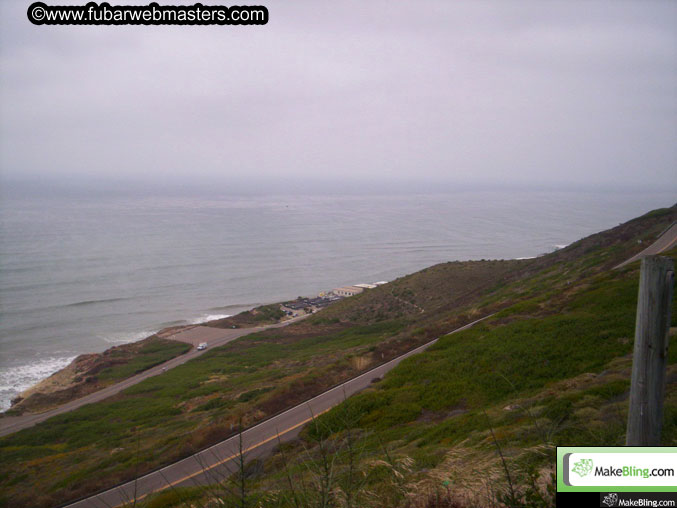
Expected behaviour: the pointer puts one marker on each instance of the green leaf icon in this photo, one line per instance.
(583, 467)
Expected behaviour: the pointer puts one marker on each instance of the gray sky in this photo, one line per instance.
(429, 93)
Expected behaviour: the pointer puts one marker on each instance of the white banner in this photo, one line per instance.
(620, 469)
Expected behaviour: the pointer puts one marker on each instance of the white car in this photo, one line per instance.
(202, 346)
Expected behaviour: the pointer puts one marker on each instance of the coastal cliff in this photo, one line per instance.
(90, 372)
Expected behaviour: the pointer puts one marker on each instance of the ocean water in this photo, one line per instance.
(82, 275)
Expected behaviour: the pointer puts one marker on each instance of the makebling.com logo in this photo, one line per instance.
(583, 467)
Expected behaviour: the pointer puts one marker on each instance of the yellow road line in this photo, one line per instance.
(204, 470)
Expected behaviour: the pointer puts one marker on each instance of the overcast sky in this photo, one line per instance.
(428, 93)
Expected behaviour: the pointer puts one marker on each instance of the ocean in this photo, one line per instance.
(82, 275)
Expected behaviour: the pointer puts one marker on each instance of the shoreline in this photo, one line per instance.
(13, 422)
(79, 370)
(52, 364)
(63, 363)
(175, 327)
(250, 318)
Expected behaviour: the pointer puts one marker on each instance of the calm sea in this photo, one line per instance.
(80, 276)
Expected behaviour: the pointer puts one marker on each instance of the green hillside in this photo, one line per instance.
(550, 367)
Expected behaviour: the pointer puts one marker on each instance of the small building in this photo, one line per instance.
(365, 286)
(348, 291)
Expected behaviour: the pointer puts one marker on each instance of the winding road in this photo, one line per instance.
(218, 462)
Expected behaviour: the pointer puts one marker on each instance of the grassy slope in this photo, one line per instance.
(506, 357)
(553, 369)
(264, 314)
(152, 353)
(100, 370)
(425, 405)
(177, 413)
(423, 295)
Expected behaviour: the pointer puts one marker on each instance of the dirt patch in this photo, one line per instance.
(361, 362)
(198, 334)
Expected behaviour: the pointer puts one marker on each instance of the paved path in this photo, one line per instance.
(221, 460)
(198, 334)
(665, 242)
(214, 336)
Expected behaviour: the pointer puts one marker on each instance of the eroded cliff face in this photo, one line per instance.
(82, 375)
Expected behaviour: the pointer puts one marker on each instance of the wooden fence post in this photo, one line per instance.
(645, 417)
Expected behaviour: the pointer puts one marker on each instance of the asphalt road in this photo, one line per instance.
(214, 336)
(666, 241)
(221, 460)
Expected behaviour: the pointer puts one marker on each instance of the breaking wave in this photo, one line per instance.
(126, 337)
(14, 380)
(208, 317)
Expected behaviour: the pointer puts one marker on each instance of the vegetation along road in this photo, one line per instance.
(221, 460)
